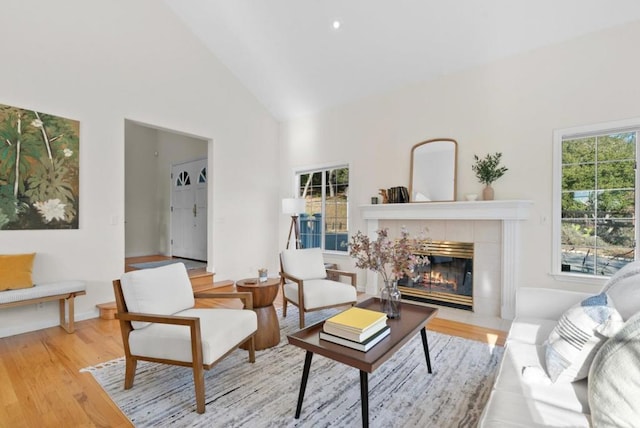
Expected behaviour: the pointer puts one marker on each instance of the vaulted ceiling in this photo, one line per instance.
(289, 54)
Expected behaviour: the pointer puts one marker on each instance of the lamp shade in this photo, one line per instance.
(293, 206)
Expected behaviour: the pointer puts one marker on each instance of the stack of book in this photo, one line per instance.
(356, 328)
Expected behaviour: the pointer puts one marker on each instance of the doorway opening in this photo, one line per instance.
(151, 152)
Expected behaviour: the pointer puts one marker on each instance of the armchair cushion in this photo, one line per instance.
(304, 264)
(164, 290)
(173, 342)
(319, 293)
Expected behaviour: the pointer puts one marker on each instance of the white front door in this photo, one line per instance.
(189, 210)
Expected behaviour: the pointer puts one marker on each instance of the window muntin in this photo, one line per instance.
(598, 201)
(183, 179)
(324, 224)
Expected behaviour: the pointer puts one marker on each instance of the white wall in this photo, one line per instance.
(141, 187)
(102, 62)
(510, 106)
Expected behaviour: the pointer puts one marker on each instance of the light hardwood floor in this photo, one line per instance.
(42, 385)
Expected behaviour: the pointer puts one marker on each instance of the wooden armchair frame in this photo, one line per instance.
(301, 308)
(131, 361)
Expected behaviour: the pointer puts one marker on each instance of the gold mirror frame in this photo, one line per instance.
(434, 170)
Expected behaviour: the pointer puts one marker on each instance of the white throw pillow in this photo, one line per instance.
(624, 289)
(581, 331)
(614, 379)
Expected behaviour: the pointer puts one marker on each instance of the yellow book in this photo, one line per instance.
(357, 319)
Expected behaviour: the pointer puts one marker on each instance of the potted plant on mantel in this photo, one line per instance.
(488, 170)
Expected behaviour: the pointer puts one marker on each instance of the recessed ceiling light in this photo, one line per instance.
(336, 24)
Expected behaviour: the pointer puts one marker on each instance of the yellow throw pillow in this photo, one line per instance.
(15, 271)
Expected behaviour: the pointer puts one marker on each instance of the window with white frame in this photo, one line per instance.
(324, 223)
(595, 198)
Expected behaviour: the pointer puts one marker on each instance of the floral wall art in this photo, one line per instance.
(38, 170)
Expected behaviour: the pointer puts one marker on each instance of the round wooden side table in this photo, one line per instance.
(264, 293)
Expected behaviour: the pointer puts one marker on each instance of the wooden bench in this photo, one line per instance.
(63, 291)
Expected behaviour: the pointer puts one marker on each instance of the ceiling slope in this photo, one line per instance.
(289, 55)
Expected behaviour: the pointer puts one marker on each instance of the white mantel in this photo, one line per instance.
(476, 210)
(511, 213)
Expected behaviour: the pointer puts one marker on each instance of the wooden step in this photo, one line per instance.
(201, 279)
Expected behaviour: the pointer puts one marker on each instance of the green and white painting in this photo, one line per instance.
(38, 170)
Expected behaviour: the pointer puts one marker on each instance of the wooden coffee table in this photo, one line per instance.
(263, 293)
(413, 319)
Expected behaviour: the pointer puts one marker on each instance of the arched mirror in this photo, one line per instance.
(433, 170)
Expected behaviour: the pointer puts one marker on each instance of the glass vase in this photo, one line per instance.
(390, 299)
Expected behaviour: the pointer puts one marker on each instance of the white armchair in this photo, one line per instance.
(305, 284)
(160, 324)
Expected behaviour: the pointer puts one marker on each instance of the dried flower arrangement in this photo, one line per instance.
(392, 259)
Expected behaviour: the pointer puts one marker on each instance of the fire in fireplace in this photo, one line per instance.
(446, 280)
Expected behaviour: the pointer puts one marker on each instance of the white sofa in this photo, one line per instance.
(524, 396)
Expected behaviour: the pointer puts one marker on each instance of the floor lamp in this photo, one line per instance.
(293, 207)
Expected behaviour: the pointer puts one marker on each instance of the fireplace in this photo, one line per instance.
(446, 279)
(492, 226)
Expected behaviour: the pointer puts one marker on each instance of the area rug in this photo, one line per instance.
(189, 264)
(264, 394)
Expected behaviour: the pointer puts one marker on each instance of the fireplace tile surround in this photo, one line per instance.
(493, 227)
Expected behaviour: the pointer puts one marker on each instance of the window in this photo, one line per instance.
(324, 224)
(595, 201)
(183, 179)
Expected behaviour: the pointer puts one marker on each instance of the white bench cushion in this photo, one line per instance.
(173, 342)
(42, 290)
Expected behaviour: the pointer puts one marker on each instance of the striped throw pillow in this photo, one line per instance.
(577, 337)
